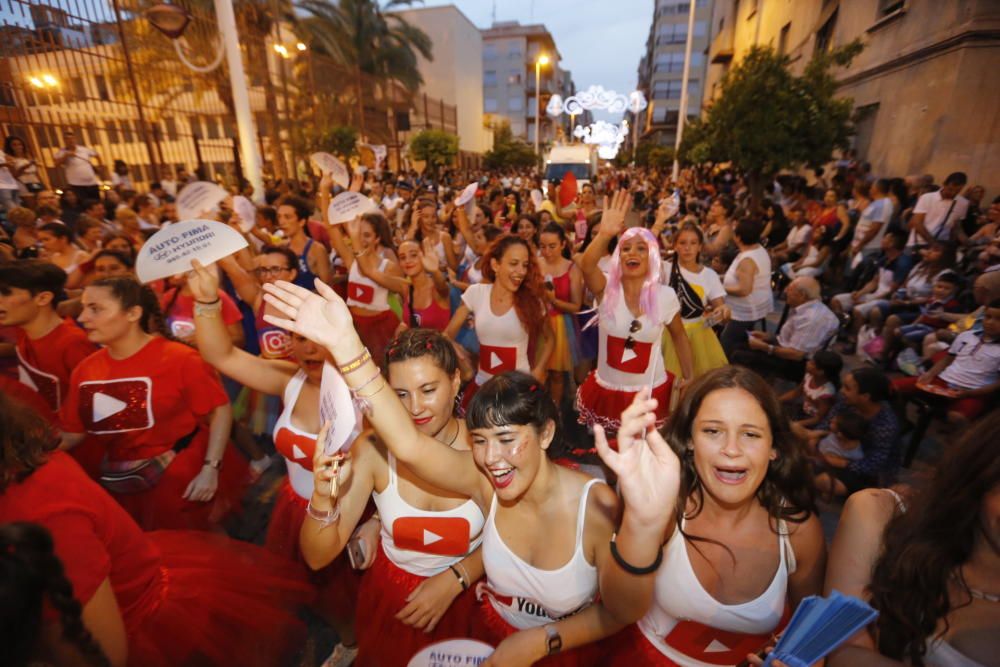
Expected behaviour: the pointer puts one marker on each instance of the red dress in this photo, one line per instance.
(140, 407)
(45, 364)
(186, 598)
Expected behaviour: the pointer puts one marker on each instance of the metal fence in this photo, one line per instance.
(99, 67)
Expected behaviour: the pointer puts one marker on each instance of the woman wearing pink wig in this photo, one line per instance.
(634, 307)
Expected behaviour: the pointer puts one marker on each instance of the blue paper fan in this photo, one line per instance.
(819, 626)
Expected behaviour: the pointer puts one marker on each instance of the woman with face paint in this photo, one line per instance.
(634, 308)
(744, 546)
(509, 314)
(547, 532)
(296, 380)
(159, 410)
(420, 587)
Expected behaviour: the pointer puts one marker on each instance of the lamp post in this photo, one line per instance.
(542, 60)
(682, 115)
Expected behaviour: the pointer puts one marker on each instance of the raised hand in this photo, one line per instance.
(613, 215)
(322, 318)
(357, 182)
(648, 470)
(203, 281)
(430, 259)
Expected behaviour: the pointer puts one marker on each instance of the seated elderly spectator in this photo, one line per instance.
(810, 325)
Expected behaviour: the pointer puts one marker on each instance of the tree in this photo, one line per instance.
(339, 140)
(435, 147)
(508, 151)
(766, 119)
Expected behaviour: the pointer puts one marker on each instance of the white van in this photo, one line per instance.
(580, 159)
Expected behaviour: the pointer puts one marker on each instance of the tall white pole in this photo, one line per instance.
(682, 113)
(241, 97)
(538, 103)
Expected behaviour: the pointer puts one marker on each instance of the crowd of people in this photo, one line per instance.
(595, 432)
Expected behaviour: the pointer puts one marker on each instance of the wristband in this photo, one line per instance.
(210, 309)
(355, 363)
(325, 518)
(461, 579)
(632, 569)
(209, 463)
(217, 299)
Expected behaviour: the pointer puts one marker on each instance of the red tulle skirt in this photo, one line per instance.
(338, 582)
(490, 627)
(220, 603)
(164, 508)
(383, 594)
(376, 332)
(604, 406)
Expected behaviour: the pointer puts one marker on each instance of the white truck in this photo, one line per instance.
(580, 159)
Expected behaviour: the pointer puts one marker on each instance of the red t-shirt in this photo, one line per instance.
(94, 538)
(140, 406)
(180, 319)
(45, 364)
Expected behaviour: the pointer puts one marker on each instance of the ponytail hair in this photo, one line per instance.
(31, 575)
(130, 293)
(528, 299)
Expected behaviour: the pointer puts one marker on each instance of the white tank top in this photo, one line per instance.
(423, 542)
(503, 342)
(527, 597)
(627, 365)
(365, 292)
(296, 445)
(693, 629)
(758, 303)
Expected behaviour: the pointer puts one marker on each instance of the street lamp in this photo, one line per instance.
(42, 81)
(542, 60)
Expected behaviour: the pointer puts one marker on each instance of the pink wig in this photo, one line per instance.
(650, 286)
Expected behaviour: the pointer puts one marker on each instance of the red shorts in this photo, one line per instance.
(969, 407)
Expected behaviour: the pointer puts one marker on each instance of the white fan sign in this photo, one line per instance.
(452, 653)
(468, 199)
(169, 251)
(348, 205)
(247, 212)
(328, 164)
(337, 408)
(197, 199)
(537, 199)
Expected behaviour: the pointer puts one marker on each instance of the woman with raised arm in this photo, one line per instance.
(157, 407)
(634, 309)
(427, 303)
(546, 537)
(509, 314)
(420, 587)
(745, 546)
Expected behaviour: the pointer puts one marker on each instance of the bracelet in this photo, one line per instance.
(355, 363)
(211, 309)
(217, 464)
(461, 579)
(465, 573)
(632, 569)
(326, 518)
(218, 299)
(376, 375)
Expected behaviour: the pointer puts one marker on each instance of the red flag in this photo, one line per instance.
(567, 189)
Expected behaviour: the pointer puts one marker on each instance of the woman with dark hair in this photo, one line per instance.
(158, 408)
(546, 535)
(25, 168)
(527, 228)
(513, 288)
(424, 226)
(120, 243)
(832, 217)
(157, 599)
(776, 226)
(57, 247)
(426, 290)
(564, 293)
(748, 286)
(865, 391)
(932, 574)
(419, 588)
(635, 309)
(743, 545)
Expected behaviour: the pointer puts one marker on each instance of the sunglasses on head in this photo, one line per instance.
(633, 329)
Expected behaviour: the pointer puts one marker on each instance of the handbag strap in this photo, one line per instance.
(944, 223)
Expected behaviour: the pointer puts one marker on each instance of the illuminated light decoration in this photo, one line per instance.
(50, 80)
(608, 137)
(555, 105)
(595, 97)
(36, 82)
(300, 46)
(637, 101)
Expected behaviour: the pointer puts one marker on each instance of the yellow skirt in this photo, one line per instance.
(565, 350)
(705, 349)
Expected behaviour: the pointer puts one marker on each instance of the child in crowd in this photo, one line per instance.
(842, 444)
(817, 390)
(944, 299)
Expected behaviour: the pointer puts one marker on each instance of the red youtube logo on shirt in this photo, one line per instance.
(621, 358)
(441, 536)
(360, 293)
(113, 406)
(45, 384)
(497, 360)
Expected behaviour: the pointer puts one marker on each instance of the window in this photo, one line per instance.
(672, 33)
(514, 78)
(514, 52)
(195, 127)
(886, 7)
(515, 103)
(489, 51)
(864, 127)
(112, 132)
(669, 62)
(490, 77)
(90, 132)
(170, 126)
(489, 105)
(103, 92)
(127, 132)
(7, 98)
(824, 36)
(659, 114)
(700, 28)
(79, 92)
(783, 39)
(228, 128)
(211, 128)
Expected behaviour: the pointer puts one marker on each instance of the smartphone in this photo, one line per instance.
(356, 552)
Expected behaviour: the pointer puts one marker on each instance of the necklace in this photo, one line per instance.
(981, 595)
(457, 431)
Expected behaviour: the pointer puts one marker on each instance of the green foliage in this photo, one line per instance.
(508, 151)
(339, 140)
(435, 147)
(766, 119)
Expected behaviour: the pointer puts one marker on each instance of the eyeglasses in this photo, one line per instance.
(633, 329)
(265, 271)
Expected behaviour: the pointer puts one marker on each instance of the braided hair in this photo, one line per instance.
(30, 575)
